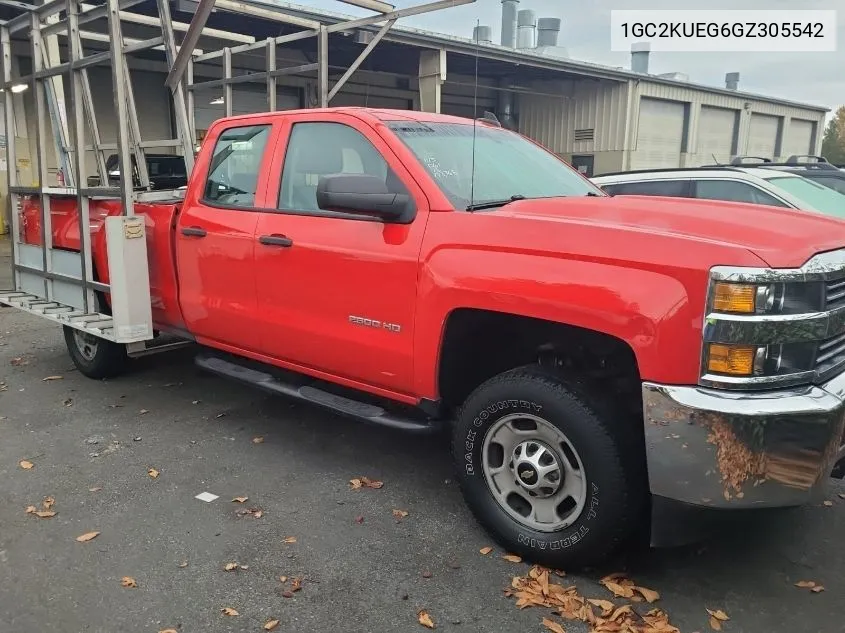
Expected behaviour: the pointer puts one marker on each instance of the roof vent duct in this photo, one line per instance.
(639, 57)
(509, 11)
(526, 23)
(548, 31)
(482, 35)
(732, 81)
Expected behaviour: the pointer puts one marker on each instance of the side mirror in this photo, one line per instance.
(365, 195)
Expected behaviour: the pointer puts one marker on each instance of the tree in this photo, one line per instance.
(833, 145)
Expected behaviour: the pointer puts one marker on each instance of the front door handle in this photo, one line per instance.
(275, 240)
(195, 231)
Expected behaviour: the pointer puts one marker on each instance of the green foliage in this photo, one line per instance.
(833, 144)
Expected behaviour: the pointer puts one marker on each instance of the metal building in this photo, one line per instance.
(599, 118)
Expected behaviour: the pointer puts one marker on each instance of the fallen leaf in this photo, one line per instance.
(399, 514)
(425, 619)
(128, 581)
(426, 574)
(48, 502)
(715, 624)
(31, 509)
(606, 606)
(49, 378)
(719, 615)
(240, 499)
(365, 482)
(257, 440)
(296, 584)
(649, 594)
(553, 626)
(287, 594)
(44, 514)
(152, 472)
(231, 566)
(290, 540)
(26, 464)
(512, 558)
(94, 489)
(359, 519)
(195, 402)
(805, 584)
(828, 503)
(842, 495)
(84, 538)
(817, 589)
(355, 484)
(257, 513)
(485, 550)
(620, 591)
(229, 611)
(183, 564)
(143, 411)
(270, 625)
(168, 631)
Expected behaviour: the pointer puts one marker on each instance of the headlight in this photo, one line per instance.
(767, 298)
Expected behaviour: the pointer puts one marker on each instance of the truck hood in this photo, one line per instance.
(782, 238)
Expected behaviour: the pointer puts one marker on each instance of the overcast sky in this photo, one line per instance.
(817, 78)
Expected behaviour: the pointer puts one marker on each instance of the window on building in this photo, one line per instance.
(322, 149)
(671, 188)
(734, 191)
(235, 165)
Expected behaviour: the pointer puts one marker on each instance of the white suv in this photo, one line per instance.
(738, 184)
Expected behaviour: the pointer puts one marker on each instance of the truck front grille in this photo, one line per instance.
(831, 354)
(835, 294)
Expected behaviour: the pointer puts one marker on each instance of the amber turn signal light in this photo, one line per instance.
(734, 298)
(734, 360)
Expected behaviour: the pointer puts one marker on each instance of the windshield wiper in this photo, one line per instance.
(492, 204)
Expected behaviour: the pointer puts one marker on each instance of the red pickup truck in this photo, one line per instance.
(596, 360)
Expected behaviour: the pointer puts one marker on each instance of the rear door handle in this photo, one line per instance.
(194, 231)
(275, 240)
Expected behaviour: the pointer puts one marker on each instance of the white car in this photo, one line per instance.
(738, 184)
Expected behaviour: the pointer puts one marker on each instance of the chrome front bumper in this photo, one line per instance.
(725, 449)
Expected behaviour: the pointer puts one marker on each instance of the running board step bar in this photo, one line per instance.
(314, 395)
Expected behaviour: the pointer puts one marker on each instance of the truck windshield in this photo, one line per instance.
(816, 196)
(507, 166)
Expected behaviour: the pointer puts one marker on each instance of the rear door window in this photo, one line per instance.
(673, 188)
(837, 184)
(233, 174)
(734, 191)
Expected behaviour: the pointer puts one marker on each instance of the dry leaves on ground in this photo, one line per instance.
(168, 631)
(512, 558)
(50, 378)
(258, 440)
(18, 361)
(828, 503)
(256, 513)
(290, 540)
(183, 564)
(41, 514)
(817, 589)
(805, 584)
(536, 590)
(26, 464)
(229, 611)
(716, 619)
(48, 502)
(144, 411)
(553, 626)
(425, 619)
(240, 499)
(485, 550)
(270, 625)
(128, 581)
(94, 489)
(365, 482)
(399, 514)
(152, 472)
(231, 566)
(88, 536)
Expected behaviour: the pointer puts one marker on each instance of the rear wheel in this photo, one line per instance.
(545, 472)
(95, 357)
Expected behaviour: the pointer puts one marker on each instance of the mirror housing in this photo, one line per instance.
(365, 195)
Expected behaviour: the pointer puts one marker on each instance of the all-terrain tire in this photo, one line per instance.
(97, 358)
(616, 488)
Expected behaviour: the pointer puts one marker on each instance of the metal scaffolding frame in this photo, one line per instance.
(60, 284)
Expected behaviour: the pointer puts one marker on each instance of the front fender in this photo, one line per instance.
(658, 314)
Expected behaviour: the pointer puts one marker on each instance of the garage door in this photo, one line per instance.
(716, 128)
(762, 136)
(243, 102)
(659, 135)
(799, 138)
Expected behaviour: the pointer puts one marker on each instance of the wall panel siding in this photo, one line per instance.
(582, 105)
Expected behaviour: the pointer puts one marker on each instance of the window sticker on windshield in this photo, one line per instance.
(241, 146)
(437, 171)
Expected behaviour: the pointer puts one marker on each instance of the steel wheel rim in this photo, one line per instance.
(86, 345)
(534, 472)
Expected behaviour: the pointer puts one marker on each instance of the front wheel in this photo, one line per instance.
(544, 471)
(95, 357)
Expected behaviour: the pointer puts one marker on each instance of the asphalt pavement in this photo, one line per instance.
(92, 445)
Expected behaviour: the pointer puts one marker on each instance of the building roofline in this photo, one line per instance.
(454, 43)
